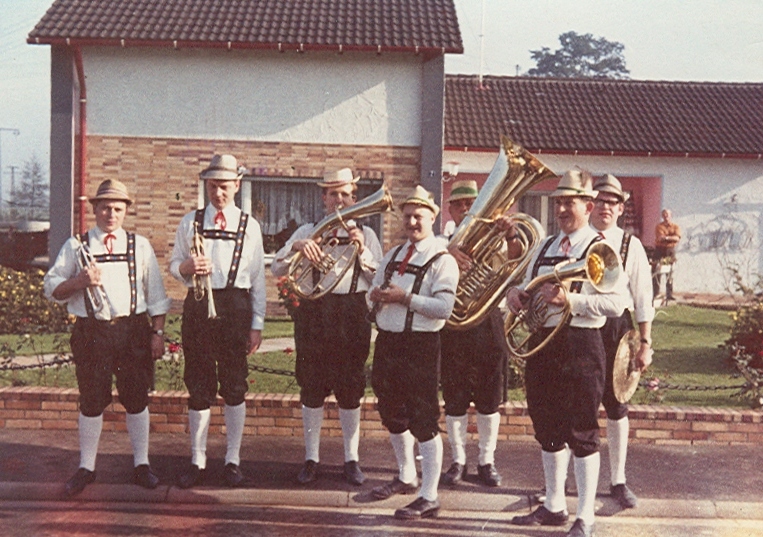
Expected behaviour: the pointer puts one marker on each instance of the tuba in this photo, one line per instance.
(601, 268)
(313, 280)
(202, 285)
(482, 287)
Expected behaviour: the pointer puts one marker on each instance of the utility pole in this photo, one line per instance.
(15, 132)
(12, 198)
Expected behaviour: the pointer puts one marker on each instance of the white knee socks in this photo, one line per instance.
(617, 437)
(89, 434)
(137, 429)
(235, 416)
(198, 423)
(487, 428)
(350, 422)
(457, 430)
(312, 421)
(403, 444)
(555, 473)
(431, 466)
(586, 479)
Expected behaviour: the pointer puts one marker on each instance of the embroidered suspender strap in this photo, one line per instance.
(625, 247)
(391, 267)
(419, 272)
(85, 239)
(218, 234)
(236, 262)
(541, 260)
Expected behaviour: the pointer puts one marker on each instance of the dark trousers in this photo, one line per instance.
(565, 383)
(121, 348)
(405, 381)
(215, 350)
(611, 333)
(472, 369)
(332, 338)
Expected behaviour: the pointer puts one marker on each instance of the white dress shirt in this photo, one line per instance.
(433, 304)
(151, 296)
(638, 272)
(589, 308)
(251, 269)
(369, 258)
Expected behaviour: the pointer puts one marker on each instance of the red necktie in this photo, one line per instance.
(601, 234)
(220, 220)
(565, 246)
(108, 241)
(404, 263)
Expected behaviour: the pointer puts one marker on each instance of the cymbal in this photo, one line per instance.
(625, 376)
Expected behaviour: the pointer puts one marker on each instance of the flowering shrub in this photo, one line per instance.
(26, 310)
(286, 295)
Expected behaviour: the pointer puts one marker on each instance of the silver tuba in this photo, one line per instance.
(482, 287)
(95, 294)
(313, 280)
(601, 268)
(202, 285)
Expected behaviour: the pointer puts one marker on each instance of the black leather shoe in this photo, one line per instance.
(542, 517)
(192, 476)
(623, 495)
(352, 473)
(418, 508)
(232, 475)
(308, 473)
(395, 486)
(455, 473)
(488, 475)
(82, 478)
(580, 529)
(144, 477)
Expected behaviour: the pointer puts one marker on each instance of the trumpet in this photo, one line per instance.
(96, 294)
(202, 285)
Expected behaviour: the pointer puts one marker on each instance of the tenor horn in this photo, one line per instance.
(601, 267)
(492, 272)
(313, 280)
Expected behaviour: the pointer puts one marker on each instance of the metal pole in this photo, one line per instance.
(15, 132)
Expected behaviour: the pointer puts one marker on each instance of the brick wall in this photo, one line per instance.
(162, 176)
(279, 414)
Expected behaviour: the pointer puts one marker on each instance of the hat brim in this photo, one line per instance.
(338, 183)
(434, 208)
(573, 192)
(96, 199)
(457, 197)
(622, 196)
(220, 175)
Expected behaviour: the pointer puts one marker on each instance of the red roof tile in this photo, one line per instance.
(605, 116)
(387, 25)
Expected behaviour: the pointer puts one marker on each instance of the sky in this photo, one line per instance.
(696, 40)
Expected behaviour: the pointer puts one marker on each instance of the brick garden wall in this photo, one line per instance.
(280, 415)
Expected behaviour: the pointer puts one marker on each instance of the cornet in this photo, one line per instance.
(96, 294)
(202, 285)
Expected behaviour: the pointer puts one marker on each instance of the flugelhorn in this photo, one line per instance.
(96, 294)
(492, 272)
(601, 267)
(202, 284)
(313, 280)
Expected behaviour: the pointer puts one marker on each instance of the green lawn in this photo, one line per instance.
(686, 343)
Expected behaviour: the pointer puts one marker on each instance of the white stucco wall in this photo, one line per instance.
(312, 97)
(717, 202)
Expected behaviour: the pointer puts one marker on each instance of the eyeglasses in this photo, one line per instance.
(608, 203)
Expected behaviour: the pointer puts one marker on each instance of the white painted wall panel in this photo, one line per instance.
(255, 95)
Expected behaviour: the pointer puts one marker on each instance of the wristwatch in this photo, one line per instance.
(159, 332)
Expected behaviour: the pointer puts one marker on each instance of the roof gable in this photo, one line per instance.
(594, 116)
(372, 25)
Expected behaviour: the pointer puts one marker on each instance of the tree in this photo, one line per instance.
(581, 56)
(31, 200)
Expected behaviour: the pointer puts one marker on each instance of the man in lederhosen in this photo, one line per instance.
(564, 380)
(472, 366)
(121, 334)
(332, 334)
(609, 206)
(216, 349)
(414, 289)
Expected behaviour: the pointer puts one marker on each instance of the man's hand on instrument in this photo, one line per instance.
(643, 357)
(356, 234)
(464, 261)
(196, 264)
(553, 294)
(309, 248)
(506, 224)
(516, 300)
(89, 277)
